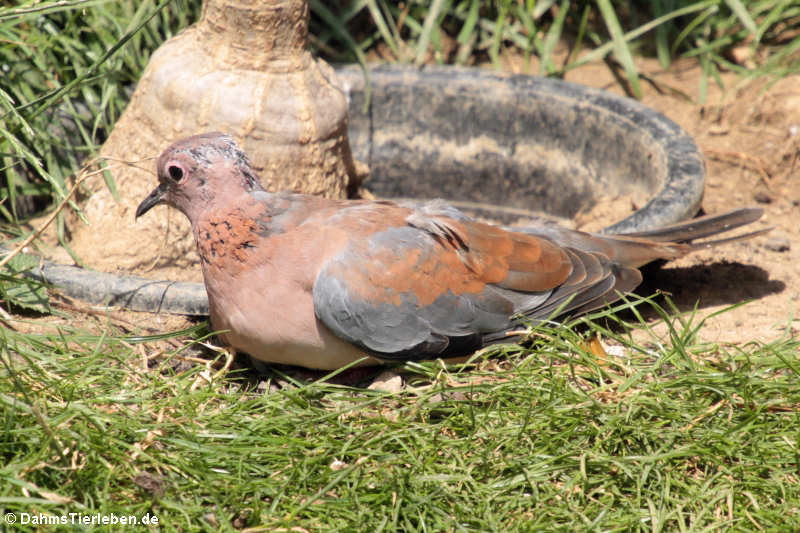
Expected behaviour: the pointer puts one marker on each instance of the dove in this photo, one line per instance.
(323, 283)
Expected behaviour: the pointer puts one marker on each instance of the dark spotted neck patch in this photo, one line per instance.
(227, 241)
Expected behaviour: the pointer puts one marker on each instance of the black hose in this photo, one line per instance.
(129, 292)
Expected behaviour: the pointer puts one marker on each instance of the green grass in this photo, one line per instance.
(464, 31)
(670, 435)
(66, 68)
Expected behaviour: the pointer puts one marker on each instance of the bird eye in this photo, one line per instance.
(175, 172)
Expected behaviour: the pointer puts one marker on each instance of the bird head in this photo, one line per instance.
(198, 170)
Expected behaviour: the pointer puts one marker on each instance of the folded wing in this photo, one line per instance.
(441, 285)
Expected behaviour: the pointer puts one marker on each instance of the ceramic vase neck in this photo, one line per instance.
(276, 29)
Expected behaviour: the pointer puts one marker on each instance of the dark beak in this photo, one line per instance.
(152, 200)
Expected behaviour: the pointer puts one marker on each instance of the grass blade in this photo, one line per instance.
(327, 15)
(603, 50)
(620, 45)
(552, 38)
(468, 29)
(743, 15)
(383, 28)
(428, 27)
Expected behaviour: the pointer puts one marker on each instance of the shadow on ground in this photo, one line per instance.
(706, 285)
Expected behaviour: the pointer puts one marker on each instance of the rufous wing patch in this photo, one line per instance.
(514, 260)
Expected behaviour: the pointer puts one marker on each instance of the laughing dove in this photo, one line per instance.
(320, 282)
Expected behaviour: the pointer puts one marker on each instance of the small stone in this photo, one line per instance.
(387, 382)
(458, 396)
(436, 398)
(762, 197)
(337, 465)
(742, 55)
(778, 244)
(152, 484)
(616, 351)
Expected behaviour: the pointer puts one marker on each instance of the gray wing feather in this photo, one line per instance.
(404, 327)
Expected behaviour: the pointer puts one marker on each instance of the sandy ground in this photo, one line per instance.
(750, 134)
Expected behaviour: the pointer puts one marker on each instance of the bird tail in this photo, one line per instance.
(700, 227)
(638, 248)
(682, 238)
